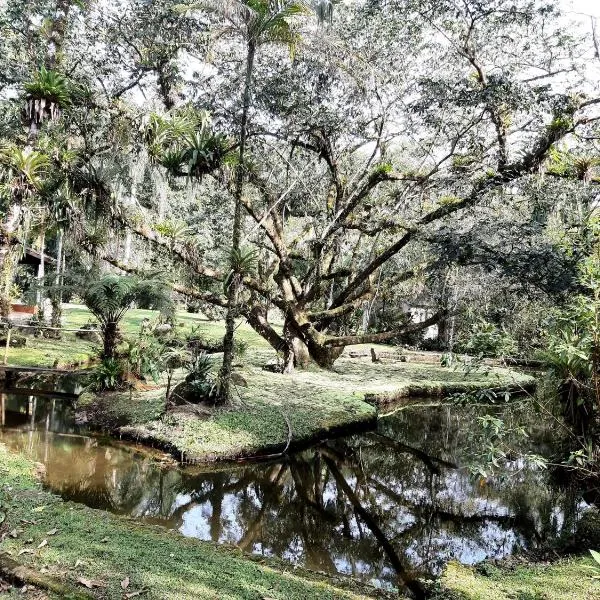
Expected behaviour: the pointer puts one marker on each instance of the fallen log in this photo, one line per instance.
(16, 573)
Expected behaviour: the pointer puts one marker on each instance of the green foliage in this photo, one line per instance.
(487, 339)
(573, 344)
(48, 92)
(448, 200)
(22, 172)
(383, 169)
(201, 382)
(482, 396)
(240, 348)
(143, 356)
(244, 261)
(569, 164)
(186, 145)
(561, 123)
(497, 441)
(262, 21)
(108, 375)
(50, 86)
(111, 296)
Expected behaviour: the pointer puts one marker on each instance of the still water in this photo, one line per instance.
(383, 506)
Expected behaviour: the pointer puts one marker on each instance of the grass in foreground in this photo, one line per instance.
(567, 579)
(106, 549)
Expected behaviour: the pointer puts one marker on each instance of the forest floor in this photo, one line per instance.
(270, 411)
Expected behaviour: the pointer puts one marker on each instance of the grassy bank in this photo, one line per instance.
(275, 408)
(86, 544)
(567, 579)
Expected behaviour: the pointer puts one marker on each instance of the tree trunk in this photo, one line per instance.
(234, 287)
(56, 296)
(57, 34)
(110, 333)
(9, 259)
(324, 356)
(41, 274)
(296, 354)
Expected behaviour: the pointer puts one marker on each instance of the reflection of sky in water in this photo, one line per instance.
(196, 522)
(260, 506)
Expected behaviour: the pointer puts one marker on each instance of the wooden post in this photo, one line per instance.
(2, 409)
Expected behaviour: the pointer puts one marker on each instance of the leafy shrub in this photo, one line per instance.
(200, 383)
(192, 307)
(240, 348)
(144, 356)
(200, 377)
(486, 339)
(109, 375)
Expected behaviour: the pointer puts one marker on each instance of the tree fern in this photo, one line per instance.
(111, 296)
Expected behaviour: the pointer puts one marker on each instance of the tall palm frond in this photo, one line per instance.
(111, 296)
(185, 143)
(263, 21)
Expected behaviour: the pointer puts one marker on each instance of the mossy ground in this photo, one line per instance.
(566, 579)
(107, 549)
(306, 404)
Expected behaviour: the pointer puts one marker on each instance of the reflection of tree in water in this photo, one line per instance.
(375, 506)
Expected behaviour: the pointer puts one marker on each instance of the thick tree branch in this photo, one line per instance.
(374, 338)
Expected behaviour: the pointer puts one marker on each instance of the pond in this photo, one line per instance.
(383, 506)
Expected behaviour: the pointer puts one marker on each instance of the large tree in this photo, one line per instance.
(375, 158)
(393, 126)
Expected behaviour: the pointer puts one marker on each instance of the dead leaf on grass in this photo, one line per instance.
(90, 583)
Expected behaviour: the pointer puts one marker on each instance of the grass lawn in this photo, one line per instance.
(106, 549)
(567, 579)
(71, 350)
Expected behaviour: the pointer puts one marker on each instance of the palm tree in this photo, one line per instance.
(22, 174)
(110, 297)
(258, 22)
